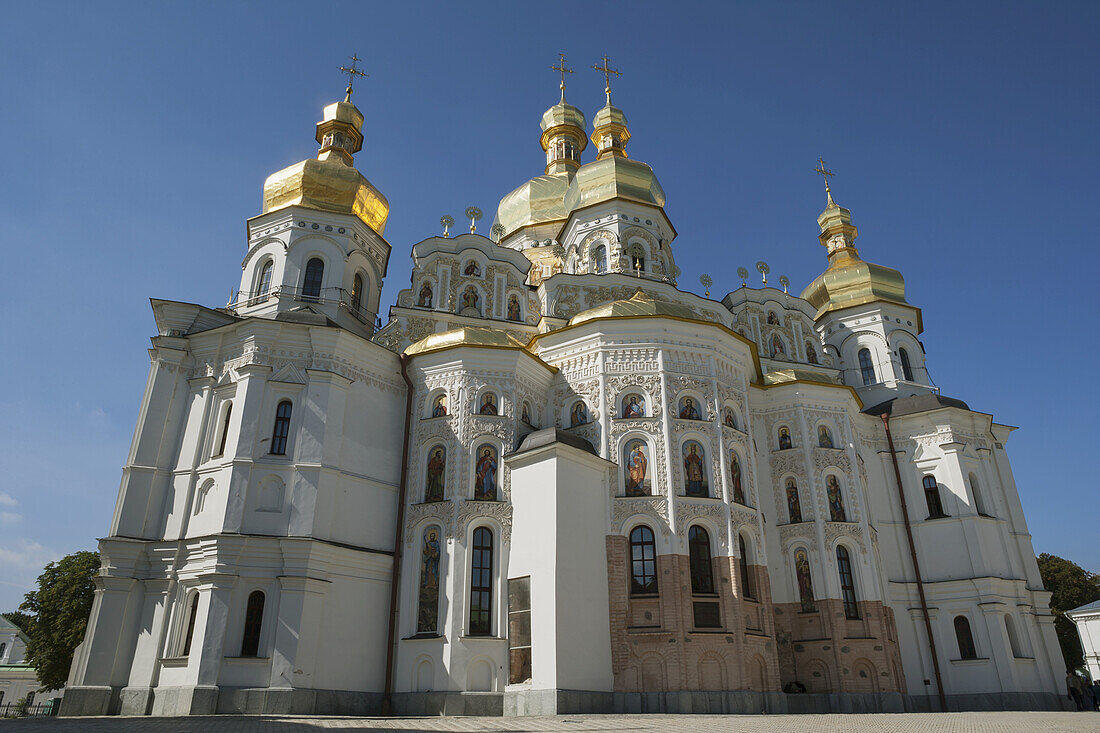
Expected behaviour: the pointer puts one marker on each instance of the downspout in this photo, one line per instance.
(916, 567)
(391, 646)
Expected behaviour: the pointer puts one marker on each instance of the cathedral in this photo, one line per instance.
(552, 481)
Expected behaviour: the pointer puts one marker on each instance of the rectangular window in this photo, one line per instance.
(706, 615)
(519, 630)
(481, 584)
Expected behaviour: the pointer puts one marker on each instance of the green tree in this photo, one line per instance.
(1070, 586)
(20, 619)
(60, 609)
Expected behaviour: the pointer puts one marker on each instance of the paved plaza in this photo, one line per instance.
(1001, 722)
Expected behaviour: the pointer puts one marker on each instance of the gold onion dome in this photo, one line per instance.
(329, 182)
(539, 200)
(639, 304)
(848, 280)
(465, 336)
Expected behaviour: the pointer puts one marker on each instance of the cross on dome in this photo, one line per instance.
(563, 70)
(826, 174)
(352, 72)
(607, 72)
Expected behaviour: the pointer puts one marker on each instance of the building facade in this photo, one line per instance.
(553, 481)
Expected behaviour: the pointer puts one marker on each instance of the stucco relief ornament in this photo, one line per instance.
(654, 506)
(742, 518)
(787, 462)
(501, 511)
(440, 511)
(836, 530)
(789, 533)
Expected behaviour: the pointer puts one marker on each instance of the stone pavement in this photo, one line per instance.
(999, 722)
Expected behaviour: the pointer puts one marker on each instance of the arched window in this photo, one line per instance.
(906, 367)
(3, 647)
(264, 284)
(811, 353)
(599, 260)
(746, 575)
(311, 284)
(847, 583)
(1010, 628)
(932, 498)
(866, 366)
(965, 638)
(643, 561)
(702, 575)
(253, 624)
(189, 632)
(481, 583)
(637, 258)
(225, 430)
(356, 293)
(281, 429)
(979, 503)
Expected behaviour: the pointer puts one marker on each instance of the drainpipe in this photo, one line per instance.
(399, 541)
(916, 567)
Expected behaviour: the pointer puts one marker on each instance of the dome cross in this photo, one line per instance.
(607, 72)
(352, 72)
(563, 70)
(826, 174)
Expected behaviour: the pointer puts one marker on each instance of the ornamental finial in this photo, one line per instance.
(825, 173)
(563, 70)
(352, 72)
(607, 72)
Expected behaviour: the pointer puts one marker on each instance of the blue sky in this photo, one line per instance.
(137, 136)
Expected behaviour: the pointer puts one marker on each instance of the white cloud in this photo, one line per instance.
(7, 499)
(26, 555)
(7, 519)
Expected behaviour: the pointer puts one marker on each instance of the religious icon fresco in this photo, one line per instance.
(579, 414)
(427, 617)
(637, 462)
(811, 353)
(485, 473)
(488, 404)
(836, 500)
(729, 419)
(425, 298)
(695, 470)
(805, 582)
(435, 477)
(824, 437)
(777, 347)
(784, 438)
(633, 406)
(470, 298)
(525, 414)
(439, 406)
(689, 410)
(735, 479)
(773, 319)
(472, 269)
(513, 308)
(794, 506)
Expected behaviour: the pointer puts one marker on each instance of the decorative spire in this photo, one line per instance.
(352, 72)
(563, 70)
(607, 72)
(825, 173)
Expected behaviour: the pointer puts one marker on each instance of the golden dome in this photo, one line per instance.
(329, 182)
(535, 202)
(466, 336)
(614, 177)
(848, 280)
(562, 114)
(639, 304)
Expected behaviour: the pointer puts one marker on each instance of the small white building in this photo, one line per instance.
(1087, 620)
(17, 678)
(554, 481)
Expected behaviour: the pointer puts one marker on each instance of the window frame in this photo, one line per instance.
(700, 561)
(220, 451)
(866, 367)
(357, 293)
(847, 583)
(747, 586)
(252, 631)
(906, 365)
(267, 273)
(191, 608)
(932, 496)
(480, 618)
(313, 278)
(281, 437)
(647, 551)
(971, 650)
